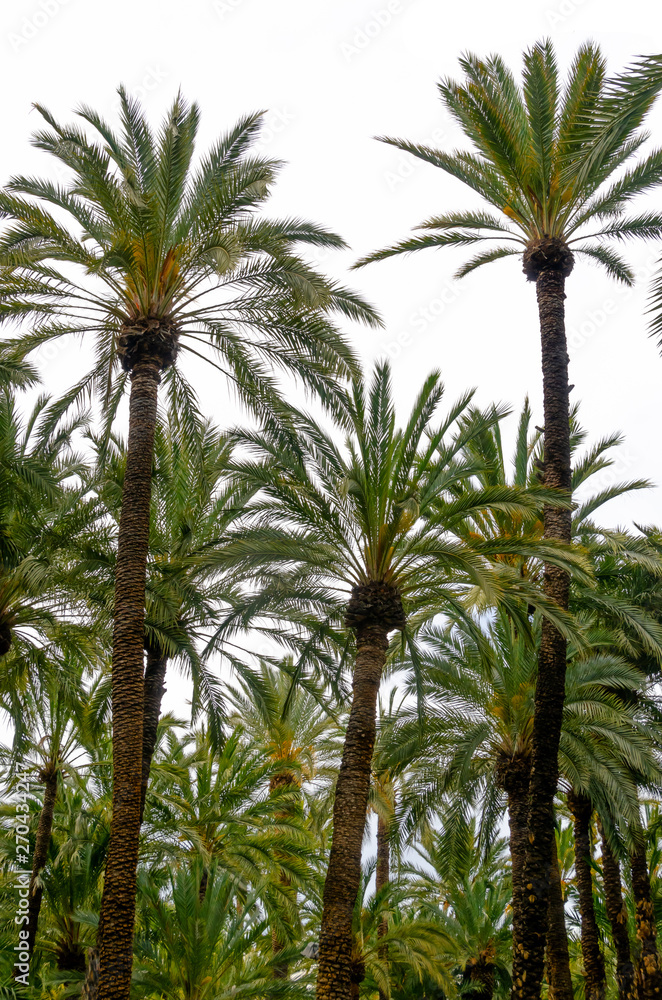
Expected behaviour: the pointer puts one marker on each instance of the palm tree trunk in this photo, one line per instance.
(204, 884)
(40, 856)
(382, 879)
(513, 776)
(648, 979)
(594, 963)
(334, 976)
(117, 916)
(618, 919)
(548, 263)
(478, 979)
(155, 672)
(558, 956)
(91, 984)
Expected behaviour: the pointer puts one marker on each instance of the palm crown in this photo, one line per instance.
(167, 256)
(389, 509)
(545, 157)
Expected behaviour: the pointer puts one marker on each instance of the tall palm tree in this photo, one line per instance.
(368, 534)
(546, 157)
(156, 257)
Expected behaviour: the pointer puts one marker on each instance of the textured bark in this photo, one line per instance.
(335, 971)
(204, 883)
(549, 262)
(618, 920)
(513, 777)
(91, 984)
(155, 672)
(382, 879)
(42, 843)
(117, 916)
(478, 977)
(648, 979)
(558, 956)
(594, 963)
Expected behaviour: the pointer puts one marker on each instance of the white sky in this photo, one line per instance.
(334, 74)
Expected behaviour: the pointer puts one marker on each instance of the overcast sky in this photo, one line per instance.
(332, 74)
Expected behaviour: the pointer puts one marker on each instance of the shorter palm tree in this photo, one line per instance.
(193, 948)
(300, 737)
(468, 896)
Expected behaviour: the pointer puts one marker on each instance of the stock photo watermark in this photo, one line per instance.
(151, 80)
(274, 124)
(364, 33)
(597, 319)
(420, 320)
(23, 875)
(34, 23)
(562, 12)
(224, 7)
(406, 165)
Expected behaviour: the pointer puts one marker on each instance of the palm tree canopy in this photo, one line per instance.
(547, 157)
(389, 507)
(148, 253)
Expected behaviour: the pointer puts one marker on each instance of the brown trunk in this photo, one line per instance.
(558, 956)
(117, 916)
(594, 963)
(91, 984)
(478, 978)
(513, 776)
(618, 919)
(334, 977)
(204, 882)
(155, 672)
(548, 262)
(648, 979)
(42, 843)
(382, 879)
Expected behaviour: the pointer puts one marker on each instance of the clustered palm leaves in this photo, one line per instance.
(220, 850)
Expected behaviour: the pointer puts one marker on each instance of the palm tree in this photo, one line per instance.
(414, 940)
(648, 972)
(469, 897)
(52, 739)
(159, 258)
(545, 157)
(368, 534)
(475, 747)
(581, 809)
(215, 807)
(302, 740)
(40, 514)
(192, 948)
(617, 915)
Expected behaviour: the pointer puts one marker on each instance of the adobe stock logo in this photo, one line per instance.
(364, 34)
(31, 26)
